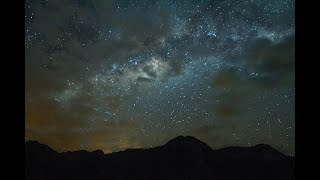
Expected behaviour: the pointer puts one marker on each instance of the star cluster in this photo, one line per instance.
(112, 75)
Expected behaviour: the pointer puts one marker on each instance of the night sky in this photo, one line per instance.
(120, 74)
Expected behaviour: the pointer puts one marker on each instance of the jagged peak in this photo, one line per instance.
(267, 150)
(32, 144)
(188, 142)
(263, 146)
(184, 139)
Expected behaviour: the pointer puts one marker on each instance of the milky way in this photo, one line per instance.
(113, 75)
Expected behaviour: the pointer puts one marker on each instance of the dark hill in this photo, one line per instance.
(180, 158)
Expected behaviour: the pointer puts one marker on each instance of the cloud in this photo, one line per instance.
(144, 79)
(275, 62)
(231, 96)
(205, 130)
(176, 65)
(265, 66)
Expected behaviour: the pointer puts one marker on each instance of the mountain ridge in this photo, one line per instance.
(174, 139)
(183, 157)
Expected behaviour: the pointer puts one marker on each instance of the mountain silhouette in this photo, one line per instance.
(183, 157)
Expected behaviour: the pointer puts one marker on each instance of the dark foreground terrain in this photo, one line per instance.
(180, 158)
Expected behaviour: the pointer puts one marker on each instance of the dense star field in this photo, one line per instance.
(120, 74)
